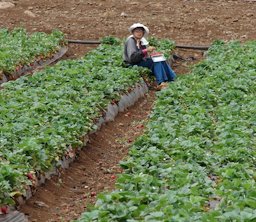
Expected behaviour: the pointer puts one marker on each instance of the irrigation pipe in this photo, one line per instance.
(192, 47)
(84, 41)
(90, 42)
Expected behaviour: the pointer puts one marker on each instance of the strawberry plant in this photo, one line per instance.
(164, 45)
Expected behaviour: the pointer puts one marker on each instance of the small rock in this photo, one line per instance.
(29, 13)
(123, 14)
(5, 5)
(227, 17)
(41, 204)
(209, 33)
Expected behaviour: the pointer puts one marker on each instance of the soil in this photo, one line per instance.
(185, 21)
(188, 22)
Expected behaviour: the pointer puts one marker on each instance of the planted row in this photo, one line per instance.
(196, 161)
(44, 114)
(18, 48)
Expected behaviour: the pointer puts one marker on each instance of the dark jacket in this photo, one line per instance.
(133, 54)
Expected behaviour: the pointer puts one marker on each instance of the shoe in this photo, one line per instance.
(166, 84)
(161, 86)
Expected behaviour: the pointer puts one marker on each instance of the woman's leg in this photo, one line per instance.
(161, 70)
(169, 72)
(159, 73)
(156, 69)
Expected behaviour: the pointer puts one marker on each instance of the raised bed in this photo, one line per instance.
(38, 64)
(126, 100)
(22, 52)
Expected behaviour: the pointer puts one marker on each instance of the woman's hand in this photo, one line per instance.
(150, 49)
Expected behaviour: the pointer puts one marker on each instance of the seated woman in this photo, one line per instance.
(137, 53)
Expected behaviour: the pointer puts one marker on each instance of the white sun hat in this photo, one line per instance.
(139, 25)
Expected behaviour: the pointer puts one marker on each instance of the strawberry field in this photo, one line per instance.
(196, 161)
(186, 153)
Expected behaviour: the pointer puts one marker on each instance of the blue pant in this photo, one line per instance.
(161, 70)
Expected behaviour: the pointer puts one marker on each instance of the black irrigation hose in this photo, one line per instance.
(84, 41)
(192, 47)
(89, 42)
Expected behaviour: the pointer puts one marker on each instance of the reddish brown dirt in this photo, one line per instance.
(185, 21)
(197, 22)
